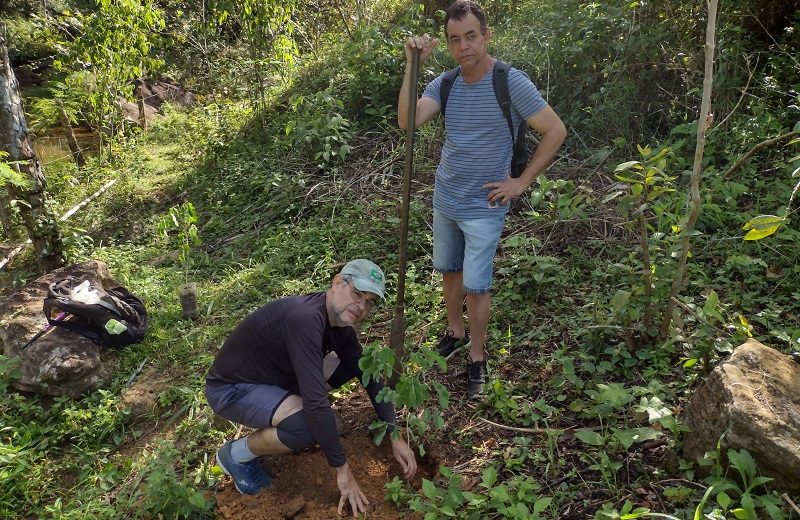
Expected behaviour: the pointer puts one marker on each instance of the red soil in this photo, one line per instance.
(304, 486)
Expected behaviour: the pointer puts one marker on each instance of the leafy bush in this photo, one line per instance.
(33, 41)
(317, 124)
(515, 498)
(165, 494)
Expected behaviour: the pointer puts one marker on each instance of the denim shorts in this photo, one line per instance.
(468, 246)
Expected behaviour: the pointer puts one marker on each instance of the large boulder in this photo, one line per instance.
(755, 396)
(155, 92)
(158, 91)
(60, 362)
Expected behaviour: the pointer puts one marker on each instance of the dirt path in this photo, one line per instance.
(304, 486)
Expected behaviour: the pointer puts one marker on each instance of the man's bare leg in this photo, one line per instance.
(453, 289)
(478, 310)
(265, 441)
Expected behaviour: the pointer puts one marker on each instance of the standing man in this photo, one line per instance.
(473, 188)
(274, 371)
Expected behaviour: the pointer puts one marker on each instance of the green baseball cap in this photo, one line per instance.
(366, 276)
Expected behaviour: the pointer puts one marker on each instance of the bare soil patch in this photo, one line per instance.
(304, 486)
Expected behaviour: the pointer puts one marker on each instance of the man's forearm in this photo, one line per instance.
(385, 410)
(402, 100)
(545, 153)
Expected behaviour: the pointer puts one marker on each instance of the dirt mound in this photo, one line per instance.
(304, 486)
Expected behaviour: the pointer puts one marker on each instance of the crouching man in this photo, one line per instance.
(274, 371)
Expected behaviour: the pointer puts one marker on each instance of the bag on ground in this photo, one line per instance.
(110, 317)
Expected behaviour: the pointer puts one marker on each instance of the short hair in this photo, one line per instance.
(461, 8)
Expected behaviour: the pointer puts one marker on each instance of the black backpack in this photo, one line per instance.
(521, 153)
(110, 317)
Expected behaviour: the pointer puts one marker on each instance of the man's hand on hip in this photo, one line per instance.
(350, 491)
(504, 191)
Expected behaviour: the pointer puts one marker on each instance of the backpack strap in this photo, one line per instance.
(447, 85)
(500, 84)
(74, 325)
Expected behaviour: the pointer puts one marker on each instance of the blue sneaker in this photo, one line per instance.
(248, 477)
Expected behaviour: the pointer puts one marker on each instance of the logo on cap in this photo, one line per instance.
(376, 275)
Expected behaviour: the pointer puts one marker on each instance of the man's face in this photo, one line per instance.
(347, 305)
(467, 44)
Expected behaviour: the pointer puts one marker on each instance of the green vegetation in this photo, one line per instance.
(291, 161)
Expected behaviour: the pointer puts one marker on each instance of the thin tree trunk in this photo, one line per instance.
(38, 219)
(77, 154)
(5, 214)
(140, 104)
(344, 21)
(647, 277)
(704, 122)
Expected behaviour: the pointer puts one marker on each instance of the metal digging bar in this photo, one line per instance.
(398, 331)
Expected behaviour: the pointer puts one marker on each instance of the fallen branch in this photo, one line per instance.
(522, 430)
(136, 373)
(532, 430)
(759, 146)
(791, 503)
(14, 253)
(87, 200)
(64, 217)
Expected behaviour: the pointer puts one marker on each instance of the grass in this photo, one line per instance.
(276, 221)
(549, 355)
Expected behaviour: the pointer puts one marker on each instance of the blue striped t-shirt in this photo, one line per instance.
(478, 146)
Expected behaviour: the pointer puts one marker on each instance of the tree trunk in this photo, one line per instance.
(140, 104)
(77, 154)
(703, 123)
(38, 219)
(5, 215)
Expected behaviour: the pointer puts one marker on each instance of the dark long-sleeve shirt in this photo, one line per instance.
(282, 344)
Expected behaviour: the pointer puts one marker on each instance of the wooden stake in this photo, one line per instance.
(77, 154)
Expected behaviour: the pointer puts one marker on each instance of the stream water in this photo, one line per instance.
(53, 147)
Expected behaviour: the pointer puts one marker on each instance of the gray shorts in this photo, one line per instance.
(249, 404)
(254, 404)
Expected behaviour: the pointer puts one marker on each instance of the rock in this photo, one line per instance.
(142, 396)
(756, 395)
(60, 362)
(131, 111)
(469, 483)
(158, 91)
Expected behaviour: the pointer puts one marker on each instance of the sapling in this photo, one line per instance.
(183, 219)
